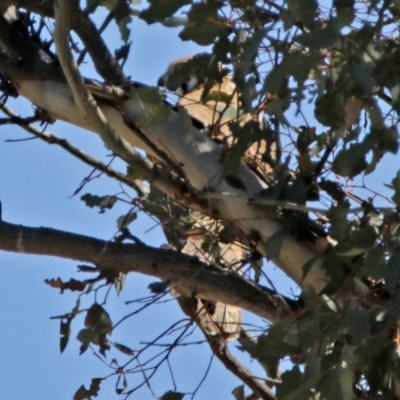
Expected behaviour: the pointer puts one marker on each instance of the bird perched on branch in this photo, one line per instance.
(210, 96)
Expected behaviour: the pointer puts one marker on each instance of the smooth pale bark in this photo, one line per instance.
(200, 160)
(40, 80)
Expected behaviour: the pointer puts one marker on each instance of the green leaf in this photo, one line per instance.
(337, 384)
(291, 381)
(396, 188)
(374, 264)
(303, 11)
(124, 221)
(109, 4)
(392, 275)
(85, 336)
(119, 282)
(350, 162)
(65, 328)
(295, 64)
(91, 5)
(220, 97)
(345, 12)
(335, 268)
(306, 268)
(238, 393)
(133, 174)
(161, 9)
(174, 21)
(303, 391)
(361, 73)
(309, 329)
(103, 202)
(123, 52)
(245, 135)
(123, 349)
(122, 16)
(205, 25)
(158, 287)
(329, 109)
(281, 341)
(98, 319)
(72, 284)
(63, 343)
(277, 107)
(170, 395)
(94, 387)
(319, 38)
(339, 223)
(82, 393)
(335, 190)
(306, 137)
(274, 244)
(356, 321)
(387, 139)
(155, 115)
(357, 242)
(65, 332)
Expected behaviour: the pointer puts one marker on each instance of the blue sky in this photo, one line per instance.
(36, 185)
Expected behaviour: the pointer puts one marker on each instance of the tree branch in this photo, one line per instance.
(106, 65)
(199, 157)
(50, 138)
(186, 274)
(260, 389)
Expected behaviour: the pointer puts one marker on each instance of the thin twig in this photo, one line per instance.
(258, 201)
(66, 145)
(103, 26)
(222, 352)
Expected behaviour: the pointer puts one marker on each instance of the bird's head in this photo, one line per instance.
(186, 74)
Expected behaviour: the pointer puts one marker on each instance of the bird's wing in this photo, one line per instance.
(215, 319)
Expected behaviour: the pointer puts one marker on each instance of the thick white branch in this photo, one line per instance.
(187, 147)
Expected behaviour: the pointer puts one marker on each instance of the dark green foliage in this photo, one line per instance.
(172, 395)
(396, 188)
(98, 326)
(320, 86)
(104, 202)
(93, 390)
(205, 24)
(125, 220)
(161, 9)
(123, 349)
(274, 244)
(158, 287)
